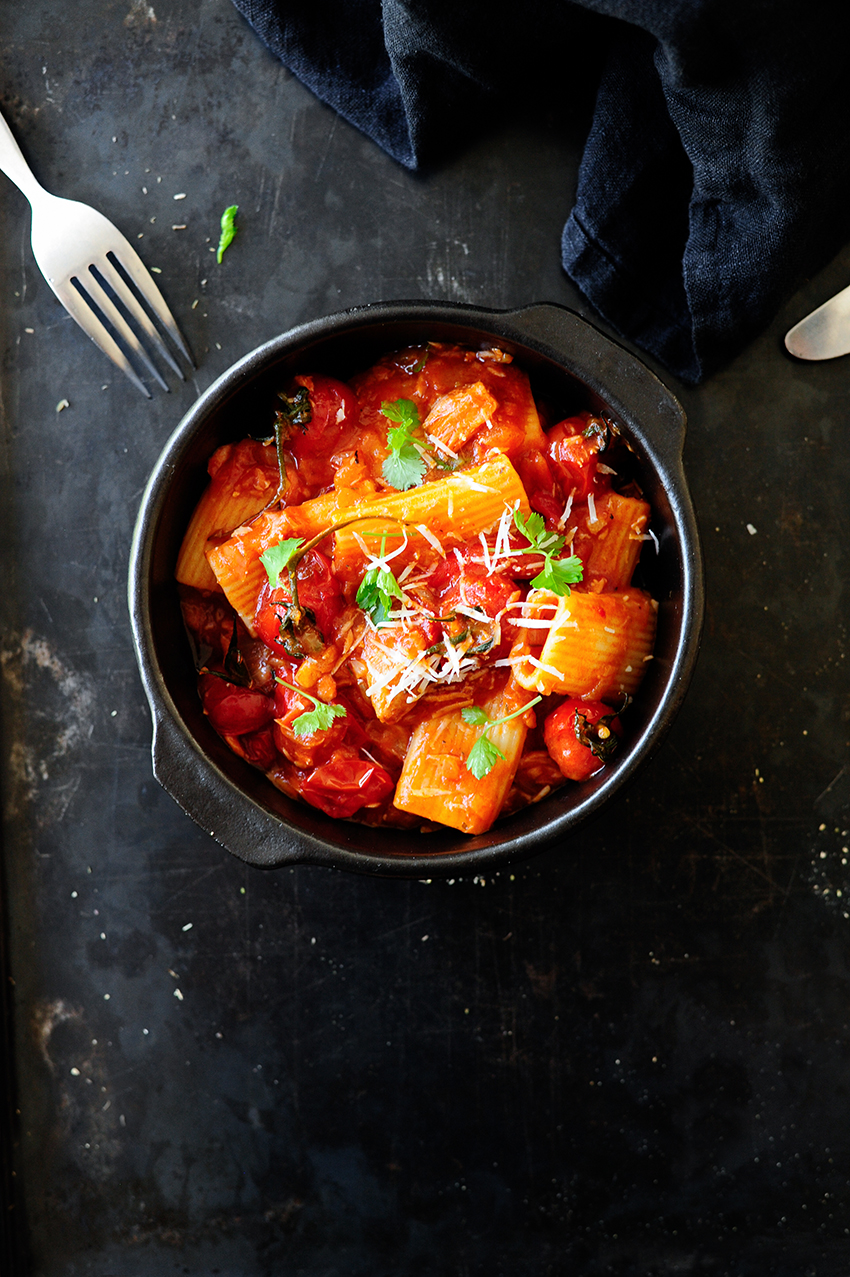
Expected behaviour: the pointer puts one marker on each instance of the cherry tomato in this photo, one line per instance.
(535, 471)
(318, 590)
(333, 418)
(333, 406)
(210, 621)
(581, 736)
(345, 783)
(467, 583)
(257, 748)
(233, 710)
(311, 748)
(574, 454)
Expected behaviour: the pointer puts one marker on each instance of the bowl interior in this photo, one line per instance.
(207, 779)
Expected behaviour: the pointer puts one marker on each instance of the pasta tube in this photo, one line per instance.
(435, 781)
(452, 510)
(244, 478)
(596, 648)
(610, 544)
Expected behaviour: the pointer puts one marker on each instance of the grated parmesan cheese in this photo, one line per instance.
(432, 540)
(562, 522)
(442, 447)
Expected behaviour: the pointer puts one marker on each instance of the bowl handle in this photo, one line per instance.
(614, 373)
(206, 795)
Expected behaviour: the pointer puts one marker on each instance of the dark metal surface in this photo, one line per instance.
(625, 1056)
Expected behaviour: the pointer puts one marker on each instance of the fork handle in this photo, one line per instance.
(15, 166)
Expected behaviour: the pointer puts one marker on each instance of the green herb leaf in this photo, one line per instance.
(534, 530)
(317, 719)
(483, 757)
(402, 411)
(474, 715)
(297, 409)
(598, 737)
(405, 467)
(276, 558)
(228, 230)
(557, 575)
(376, 593)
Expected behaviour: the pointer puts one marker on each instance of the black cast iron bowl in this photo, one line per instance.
(568, 361)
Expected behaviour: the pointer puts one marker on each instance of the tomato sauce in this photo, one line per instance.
(383, 664)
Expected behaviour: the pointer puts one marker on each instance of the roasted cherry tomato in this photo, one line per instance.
(574, 447)
(461, 580)
(210, 621)
(582, 736)
(345, 783)
(316, 428)
(318, 591)
(311, 748)
(233, 710)
(257, 748)
(333, 406)
(538, 480)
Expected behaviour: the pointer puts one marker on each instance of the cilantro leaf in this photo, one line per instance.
(402, 411)
(317, 719)
(474, 715)
(559, 574)
(405, 467)
(228, 230)
(376, 593)
(276, 558)
(483, 757)
(534, 530)
(556, 575)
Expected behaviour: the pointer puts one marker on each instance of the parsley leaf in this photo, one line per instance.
(559, 574)
(556, 575)
(534, 530)
(405, 467)
(317, 719)
(484, 755)
(276, 558)
(377, 591)
(474, 714)
(228, 230)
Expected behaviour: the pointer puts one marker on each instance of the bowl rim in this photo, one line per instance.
(261, 837)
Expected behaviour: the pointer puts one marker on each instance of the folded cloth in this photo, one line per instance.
(716, 172)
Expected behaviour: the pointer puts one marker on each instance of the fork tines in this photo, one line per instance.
(120, 307)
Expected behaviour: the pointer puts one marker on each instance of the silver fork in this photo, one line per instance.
(90, 266)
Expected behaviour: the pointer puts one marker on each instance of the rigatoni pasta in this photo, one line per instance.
(413, 598)
(596, 647)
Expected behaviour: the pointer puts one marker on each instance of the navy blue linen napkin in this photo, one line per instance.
(716, 172)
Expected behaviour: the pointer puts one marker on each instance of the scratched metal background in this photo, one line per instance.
(629, 1055)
